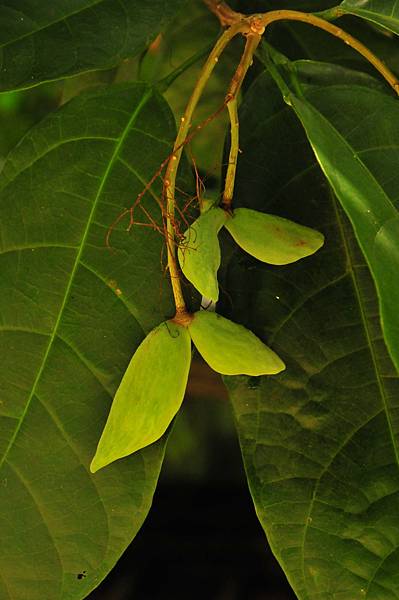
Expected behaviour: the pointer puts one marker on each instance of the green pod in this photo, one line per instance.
(231, 349)
(272, 239)
(149, 395)
(199, 253)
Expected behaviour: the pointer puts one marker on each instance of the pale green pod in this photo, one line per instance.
(199, 252)
(231, 349)
(272, 239)
(149, 395)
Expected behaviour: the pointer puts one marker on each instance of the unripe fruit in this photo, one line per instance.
(149, 395)
(199, 253)
(272, 239)
(232, 349)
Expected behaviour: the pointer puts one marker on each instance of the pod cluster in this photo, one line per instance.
(153, 386)
(268, 238)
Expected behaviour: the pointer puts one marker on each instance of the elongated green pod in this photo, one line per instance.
(199, 253)
(231, 349)
(149, 395)
(272, 239)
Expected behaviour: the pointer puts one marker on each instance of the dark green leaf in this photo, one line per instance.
(382, 12)
(300, 40)
(72, 313)
(359, 163)
(45, 40)
(320, 441)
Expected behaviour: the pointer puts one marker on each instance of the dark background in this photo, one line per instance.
(201, 539)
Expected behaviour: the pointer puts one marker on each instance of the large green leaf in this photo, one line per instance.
(360, 172)
(72, 313)
(320, 441)
(382, 12)
(52, 39)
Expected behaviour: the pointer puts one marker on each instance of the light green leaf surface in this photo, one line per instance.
(382, 12)
(199, 252)
(272, 239)
(48, 39)
(230, 348)
(149, 395)
(72, 313)
(320, 441)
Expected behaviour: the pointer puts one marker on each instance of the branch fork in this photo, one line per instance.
(252, 27)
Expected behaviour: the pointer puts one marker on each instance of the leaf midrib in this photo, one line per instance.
(53, 336)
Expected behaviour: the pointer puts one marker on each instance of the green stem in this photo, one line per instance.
(171, 169)
(233, 155)
(330, 14)
(252, 42)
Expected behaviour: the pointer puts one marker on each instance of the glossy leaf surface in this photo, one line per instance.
(230, 348)
(199, 252)
(149, 395)
(382, 12)
(320, 440)
(358, 175)
(45, 40)
(72, 312)
(272, 239)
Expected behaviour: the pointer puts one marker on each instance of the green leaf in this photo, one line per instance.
(47, 40)
(230, 348)
(72, 312)
(382, 12)
(272, 239)
(199, 252)
(358, 172)
(302, 41)
(149, 396)
(319, 441)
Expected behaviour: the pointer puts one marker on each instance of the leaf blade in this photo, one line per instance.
(45, 42)
(381, 12)
(72, 311)
(365, 202)
(317, 448)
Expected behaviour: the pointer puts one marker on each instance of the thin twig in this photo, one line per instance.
(252, 42)
(226, 15)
